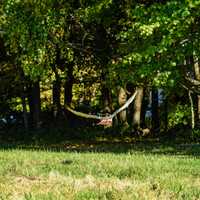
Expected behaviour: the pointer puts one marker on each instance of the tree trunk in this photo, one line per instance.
(197, 76)
(23, 98)
(56, 96)
(68, 86)
(192, 110)
(25, 114)
(138, 108)
(101, 42)
(37, 106)
(166, 113)
(106, 99)
(155, 112)
(145, 103)
(122, 97)
(34, 104)
(198, 110)
(193, 61)
(30, 103)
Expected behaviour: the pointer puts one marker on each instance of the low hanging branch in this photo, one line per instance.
(109, 117)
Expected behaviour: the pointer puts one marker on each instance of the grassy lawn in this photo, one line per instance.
(101, 171)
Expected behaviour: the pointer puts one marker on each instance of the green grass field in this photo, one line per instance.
(101, 171)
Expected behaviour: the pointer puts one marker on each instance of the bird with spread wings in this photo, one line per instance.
(106, 120)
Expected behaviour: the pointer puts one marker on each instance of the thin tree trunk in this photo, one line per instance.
(25, 114)
(106, 92)
(193, 61)
(102, 44)
(23, 98)
(68, 86)
(166, 113)
(30, 104)
(35, 104)
(106, 98)
(144, 108)
(192, 109)
(106, 95)
(138, 108)
(198, 110)
(122, 97)
(155, 113)
(56, 96)
(197, 76)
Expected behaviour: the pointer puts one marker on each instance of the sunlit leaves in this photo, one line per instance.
(161, 79)
(149, 39)
(152, 37)
(147, 30)
(33, 30)
(193, 3)
(94, 11)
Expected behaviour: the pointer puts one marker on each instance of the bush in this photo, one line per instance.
(180, 115)
(196, 134)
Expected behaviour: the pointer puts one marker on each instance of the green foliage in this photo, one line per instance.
(110, 42)
(94, 11)
(196, 134)
(180, 115)
(152, 38)
(32, 32)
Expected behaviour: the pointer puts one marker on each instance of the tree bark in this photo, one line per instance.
(145, 103)
(25, 114)
(197, 76)
(122, 98)
(106, 97)
(193, 61)
(192, 109)
(56, 96)
(138, 107)
(155, 112)
(68, 86)
(35, 104)
(166, 113)
(102, 43)
(30, 103)
(23, 98)
(198, 110)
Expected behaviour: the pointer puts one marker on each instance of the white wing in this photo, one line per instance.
(81, 114)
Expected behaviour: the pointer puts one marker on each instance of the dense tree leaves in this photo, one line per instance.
(32, 31)
(146, 43)
(157, 38)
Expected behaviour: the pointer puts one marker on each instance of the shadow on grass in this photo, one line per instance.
(95, 140)
(143, 146)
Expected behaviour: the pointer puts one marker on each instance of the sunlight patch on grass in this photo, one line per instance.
(72, 188)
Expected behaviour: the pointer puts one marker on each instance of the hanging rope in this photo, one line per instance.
(105, 119)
